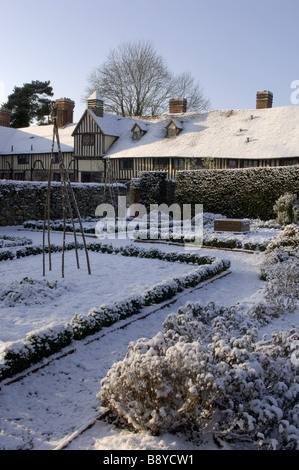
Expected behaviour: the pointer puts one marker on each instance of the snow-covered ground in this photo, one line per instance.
(48, 408)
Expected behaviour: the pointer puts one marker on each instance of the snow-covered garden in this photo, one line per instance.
(189, 349)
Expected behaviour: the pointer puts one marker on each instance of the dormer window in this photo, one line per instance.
(138, 131)
(173, 128)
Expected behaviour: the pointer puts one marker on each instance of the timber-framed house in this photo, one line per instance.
(179, 140)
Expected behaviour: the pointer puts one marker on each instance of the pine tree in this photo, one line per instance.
(29, 103)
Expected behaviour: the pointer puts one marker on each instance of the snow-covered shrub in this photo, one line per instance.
(155, 387)
(6, 254)
(287, 240)
(282, 286)
(29, 291)
(263, 313)
(47, 341)
(208, 366)
(218, 242)
(286, 209)
(280, 270)
(9, 240)
(19, 355)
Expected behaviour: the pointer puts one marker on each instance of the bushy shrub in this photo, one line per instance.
(280, 270)
(207, 367)
(152, 187)
(19, 355)
(286, 209)
(10, 240)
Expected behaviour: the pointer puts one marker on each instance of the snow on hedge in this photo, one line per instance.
(18, 355)
(209, 368)
(250, 192)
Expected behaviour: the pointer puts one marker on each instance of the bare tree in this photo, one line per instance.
(184, 86)
(135, 81)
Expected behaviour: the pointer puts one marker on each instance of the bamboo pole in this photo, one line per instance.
(66, 177)
(66, 189)
(47, 212)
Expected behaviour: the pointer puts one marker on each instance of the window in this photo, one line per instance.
(85, 177)
(232, 163)
(20, 176)
(138, 132)
(23, 159)
(178, 163)
(171, 131)
(92, 177)
(88, 139)
(55, 158)
(160, 163)
(126, 164)
(250, 163)
(173, 128)
(56, 177)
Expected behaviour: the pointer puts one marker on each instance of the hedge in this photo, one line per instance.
(19, 355)
(250, 192)
(125, 250)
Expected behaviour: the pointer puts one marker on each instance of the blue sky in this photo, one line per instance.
(232, 47)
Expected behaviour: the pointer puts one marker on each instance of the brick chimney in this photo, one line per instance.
(64, 111)
(178, 105)
(96, 103)
(5, 115)
(264, 99)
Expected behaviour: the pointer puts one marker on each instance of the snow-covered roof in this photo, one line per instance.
(110, 124)
(256, 133)
(34, 139)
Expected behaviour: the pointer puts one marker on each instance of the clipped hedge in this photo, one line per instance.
(152, 253)
(19, 355)
(250, 192)
(154, 188)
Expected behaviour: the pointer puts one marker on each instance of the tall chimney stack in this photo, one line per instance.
(178, 105)
(5, 115)
(264, 99)
(65, 111)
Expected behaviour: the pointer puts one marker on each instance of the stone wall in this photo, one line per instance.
(21, 200)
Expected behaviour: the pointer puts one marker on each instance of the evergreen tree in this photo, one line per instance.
(29, 103)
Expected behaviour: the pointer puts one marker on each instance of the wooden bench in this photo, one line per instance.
(231, 225)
